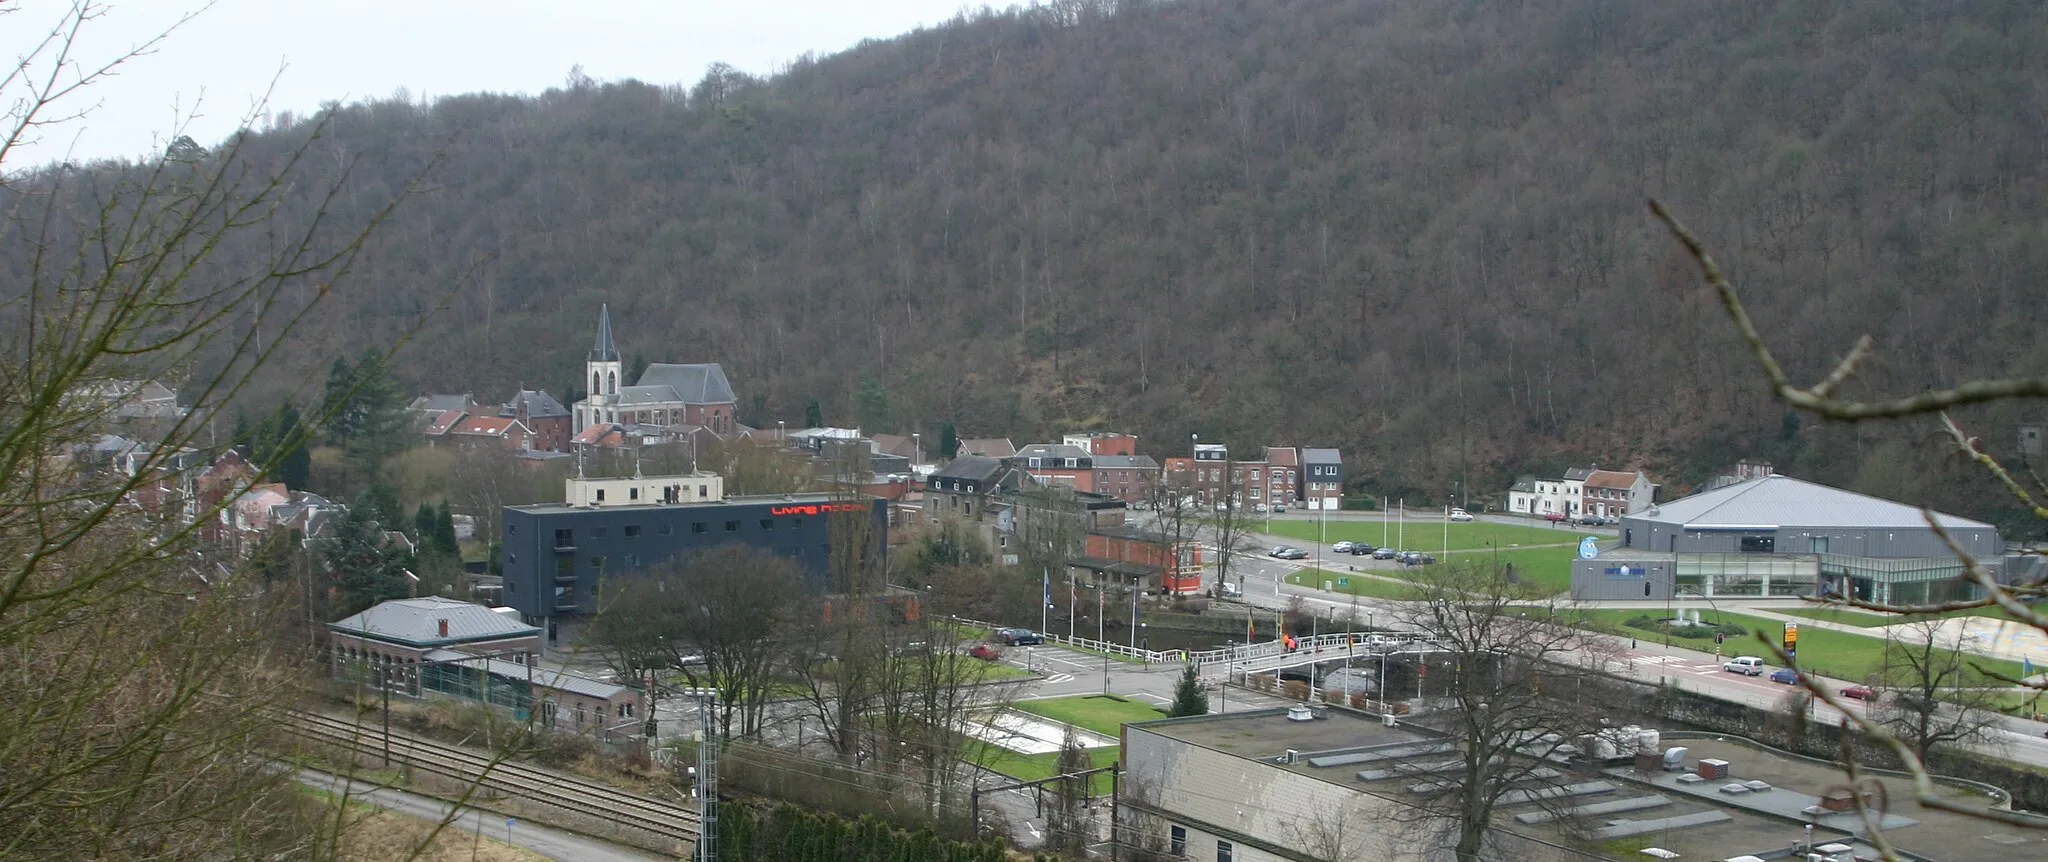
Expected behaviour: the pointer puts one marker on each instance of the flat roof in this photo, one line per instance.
(1357, 751)
(641, 506)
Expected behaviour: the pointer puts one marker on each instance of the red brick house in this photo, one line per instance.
(550, 422)
(1126, 477)
(1057, 464)
(499, 431)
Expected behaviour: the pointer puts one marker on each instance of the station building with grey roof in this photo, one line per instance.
(1780, 537)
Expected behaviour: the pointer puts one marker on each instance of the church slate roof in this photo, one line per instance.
(700, 383)
(604, 350)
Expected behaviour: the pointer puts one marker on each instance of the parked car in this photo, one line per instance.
(1416, 558)
(1385, 554)
(1290, 553)
(1279, 509)
(1553, 516)
(986, 652)
(1341, 548)
(1460, 515)
(1859, 692)
(1362, 549)
(1748, 665)
(1230, 590)
(1592, 520)
(1018, 637)
(1259, 508)
(1785, 675)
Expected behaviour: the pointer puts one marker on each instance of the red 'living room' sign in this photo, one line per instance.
(815, 508)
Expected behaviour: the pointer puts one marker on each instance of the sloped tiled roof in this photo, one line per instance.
(978, 468)
(602, 434)
(444, 422)
(1052, 450)
(895, 444)
(701, 383)
(1125, 462)
(539, 404)
(487, 426)
(993, 447)
(1611, 479)
(417, 622)
(1577, 474)
(1283, 456)
(1774, 501)
(1525, 484)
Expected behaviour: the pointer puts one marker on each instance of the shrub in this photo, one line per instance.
(1645, 622)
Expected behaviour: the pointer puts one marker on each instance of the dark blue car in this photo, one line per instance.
(1785, 675)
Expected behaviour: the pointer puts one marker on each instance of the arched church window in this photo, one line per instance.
(614, 387)
(594, 388)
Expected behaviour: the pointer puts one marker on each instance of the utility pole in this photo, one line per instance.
(707, 773)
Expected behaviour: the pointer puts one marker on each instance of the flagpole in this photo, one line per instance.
(1070, 605)
(1045, 607)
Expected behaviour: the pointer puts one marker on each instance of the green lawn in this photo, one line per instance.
(1841, 655)
(1103, 713)
(1846, 617)
(1032, 767)
(1423, 536)
(1550, 568)
(1354, 584)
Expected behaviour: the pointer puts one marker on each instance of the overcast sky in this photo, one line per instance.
(321, 50)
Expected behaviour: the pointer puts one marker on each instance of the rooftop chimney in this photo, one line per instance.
(444, 626)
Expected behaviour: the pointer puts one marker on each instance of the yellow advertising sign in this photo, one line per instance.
(1791, 635)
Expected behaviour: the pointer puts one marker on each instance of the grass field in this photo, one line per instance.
(1422, 536)
(1032, 767)
(1103, 713)
(1841, 655)
(1859, 619)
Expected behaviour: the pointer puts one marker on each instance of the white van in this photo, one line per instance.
(1748, 665)
(1232, 591)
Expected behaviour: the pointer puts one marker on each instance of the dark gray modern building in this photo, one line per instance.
(1780, 537)
(556, 554)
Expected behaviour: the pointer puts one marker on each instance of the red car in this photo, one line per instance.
(1553, 516)
(1859, 692)
(986, 652)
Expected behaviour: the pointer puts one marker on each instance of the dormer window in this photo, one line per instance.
(1034, 463)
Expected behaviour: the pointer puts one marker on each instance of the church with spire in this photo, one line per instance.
(676, 397)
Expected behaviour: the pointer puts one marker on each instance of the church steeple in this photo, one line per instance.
(603, 351)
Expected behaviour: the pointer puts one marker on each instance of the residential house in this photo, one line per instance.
(1274, 480)
(991, 447)
(896, 445)
(666, 394)
(1057, 464)
(967, 488)
(550, 423)
(1103, 442)
(497, 431)
(1582, 490)
(436, 428)
(1126, 477)
(133, 399)
(1612, 494)
(435, 405)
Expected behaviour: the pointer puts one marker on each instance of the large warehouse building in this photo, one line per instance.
(556, 554)
(1777, 536)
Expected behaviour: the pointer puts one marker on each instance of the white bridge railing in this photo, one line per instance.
(1335, 642)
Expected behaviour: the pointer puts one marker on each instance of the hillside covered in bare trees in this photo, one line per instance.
(1412, 230)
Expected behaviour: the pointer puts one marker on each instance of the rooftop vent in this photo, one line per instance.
(1299, 712)
(443, 626)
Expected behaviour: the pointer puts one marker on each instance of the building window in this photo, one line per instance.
(697, 527)
(565, 538)
(600, 495)
(703, 491)
(795, 523)
(1177, 840)
(625, 710)
(511, 560)
(597, 563)
(565, 566)
(1033, 463)
(632, 493)
(767, 523)
(1759, 544)
(1223, 848)
(632, 561)
(966, 508)
(732, 526)
(665, 530)
(632, 531)
(511, 529)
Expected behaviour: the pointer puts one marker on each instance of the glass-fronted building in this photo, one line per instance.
(1780, 537)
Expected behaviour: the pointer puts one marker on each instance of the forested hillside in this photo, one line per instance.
(1414, 229)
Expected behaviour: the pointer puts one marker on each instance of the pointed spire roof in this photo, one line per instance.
(603, 351)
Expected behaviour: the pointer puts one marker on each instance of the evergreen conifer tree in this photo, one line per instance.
(1188, 696)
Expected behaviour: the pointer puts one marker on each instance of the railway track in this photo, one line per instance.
(588, 798)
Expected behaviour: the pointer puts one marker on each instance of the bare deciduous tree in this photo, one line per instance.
(1930, 693)
(1507, 684)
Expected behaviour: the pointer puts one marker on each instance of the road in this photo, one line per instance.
(1265, 587)
(551, 843)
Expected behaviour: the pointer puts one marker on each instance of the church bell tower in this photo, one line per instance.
(603, 370)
